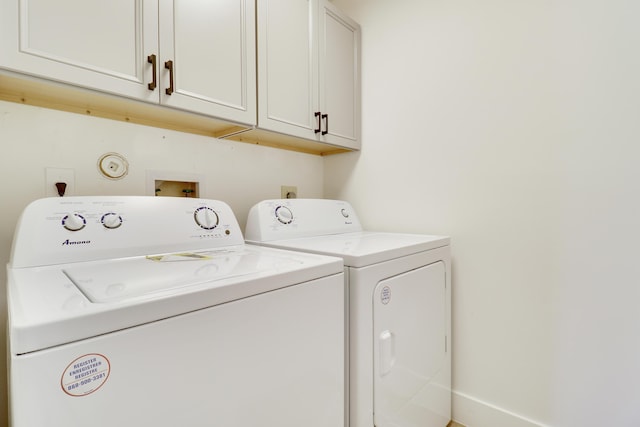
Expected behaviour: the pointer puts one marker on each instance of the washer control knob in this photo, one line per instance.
(74, 222)
(284, 214)
(345, 213)
(111, 220)
(206, 218)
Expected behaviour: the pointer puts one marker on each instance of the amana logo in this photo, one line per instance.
(76, 242)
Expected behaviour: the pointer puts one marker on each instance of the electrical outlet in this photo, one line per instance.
(289, 192)
(56, 175)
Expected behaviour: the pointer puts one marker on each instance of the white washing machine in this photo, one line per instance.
(143, 311)
(399, 307)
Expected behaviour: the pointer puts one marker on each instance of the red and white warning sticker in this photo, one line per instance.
(85, 375)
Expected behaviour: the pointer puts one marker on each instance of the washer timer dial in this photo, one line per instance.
(206, 218)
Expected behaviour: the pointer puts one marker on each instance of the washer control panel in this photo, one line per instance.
(73, 229)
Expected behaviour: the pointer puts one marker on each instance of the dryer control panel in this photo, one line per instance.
(293, 218)
(74, 229)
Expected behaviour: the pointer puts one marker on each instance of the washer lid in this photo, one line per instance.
(121, 280)
(364, 248)
(54, 305)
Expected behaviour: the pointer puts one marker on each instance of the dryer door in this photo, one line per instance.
(409, 327)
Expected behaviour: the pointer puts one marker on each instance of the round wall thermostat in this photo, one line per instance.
(113, 165)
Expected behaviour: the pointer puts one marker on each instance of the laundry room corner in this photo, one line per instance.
(34, 139)
(513, 127)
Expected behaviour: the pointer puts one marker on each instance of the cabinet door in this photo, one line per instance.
(92, 43)
(287, 67)
(339, 77)
(308, 71)
(211, 46)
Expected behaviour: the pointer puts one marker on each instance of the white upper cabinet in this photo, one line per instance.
(309, 71)
(339, 77)
(197, 56)
(90, 43)
(207, 57)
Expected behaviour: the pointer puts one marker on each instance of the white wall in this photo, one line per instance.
(32, 139)
(514, 127)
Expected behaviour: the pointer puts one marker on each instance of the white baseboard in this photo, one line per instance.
(472, 412)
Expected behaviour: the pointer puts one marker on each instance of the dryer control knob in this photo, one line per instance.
(284, 214)
(206, 218)
(74, 222)
(111, 220)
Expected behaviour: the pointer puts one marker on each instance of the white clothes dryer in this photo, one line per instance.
(152, 312)
(399, 307)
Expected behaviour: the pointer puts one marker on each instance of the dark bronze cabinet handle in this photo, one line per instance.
(151, 59)
(317, 116)
(326, 124)
(169, 66)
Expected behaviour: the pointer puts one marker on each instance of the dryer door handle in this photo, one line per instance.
(386, 342)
